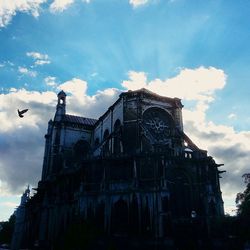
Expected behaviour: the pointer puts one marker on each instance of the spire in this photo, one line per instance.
(61, 105)
(26, 195)
(27, 191)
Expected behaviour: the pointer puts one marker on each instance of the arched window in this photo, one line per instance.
(81, 149)
(117, 137)
(180, 201)
(157, 125)
(106, 143)
(146, 225)
(61, 98)
(134, 216)
(100, 215)
(119, 217)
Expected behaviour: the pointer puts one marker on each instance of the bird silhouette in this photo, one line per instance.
(21, 112)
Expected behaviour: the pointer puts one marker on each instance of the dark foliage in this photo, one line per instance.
(243, 202)
(243, 210)
(243, 199)
(6, 231)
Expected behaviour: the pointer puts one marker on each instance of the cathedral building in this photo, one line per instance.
(133, 171)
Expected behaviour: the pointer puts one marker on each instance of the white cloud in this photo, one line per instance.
(37, 55)
(21, 140)
(20, 99)
(60, 5)
(39, 58)
(24, 138)
(76, 87)
(23, 70)
(13, 89)
(9, 8)
(226, 145)
(6, 63)
(136, 80)
(78, 98)
(50, 81)
(136, 3)
(26, 71)
(42, 62)
(232, 116)
(190, 84)
(9, 204)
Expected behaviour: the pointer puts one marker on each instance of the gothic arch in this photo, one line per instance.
(81, 149)
(134, 216)
(180, 188)
(119, 217)
(117, 137)
(159, 110)
(100, 215)
(146, 223)
(106, 149)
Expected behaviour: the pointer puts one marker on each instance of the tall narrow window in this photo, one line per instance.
(106, 143)
(117, 137)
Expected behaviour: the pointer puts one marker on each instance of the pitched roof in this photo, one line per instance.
(61, 93)
(151, 93)
(79, 120)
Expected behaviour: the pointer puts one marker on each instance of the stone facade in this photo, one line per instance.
(131, 172)
(20, 223)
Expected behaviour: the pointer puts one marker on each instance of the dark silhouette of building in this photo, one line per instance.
(19, 214)
(131, 172)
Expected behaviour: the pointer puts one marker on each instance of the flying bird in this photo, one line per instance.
(21, 112)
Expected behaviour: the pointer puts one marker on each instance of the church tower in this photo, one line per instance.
(52, 138)
(61, 106)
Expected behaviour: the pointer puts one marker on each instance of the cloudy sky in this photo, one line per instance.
(94, 49)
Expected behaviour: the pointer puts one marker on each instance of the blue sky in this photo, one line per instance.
(196, 50)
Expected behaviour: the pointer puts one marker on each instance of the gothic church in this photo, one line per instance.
(132, 171)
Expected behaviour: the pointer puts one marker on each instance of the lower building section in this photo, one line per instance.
(147, 196)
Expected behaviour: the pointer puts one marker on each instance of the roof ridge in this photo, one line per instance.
(79, 120)
(80, 116)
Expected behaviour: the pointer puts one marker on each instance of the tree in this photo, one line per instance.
(243, 210)
(243, 199)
